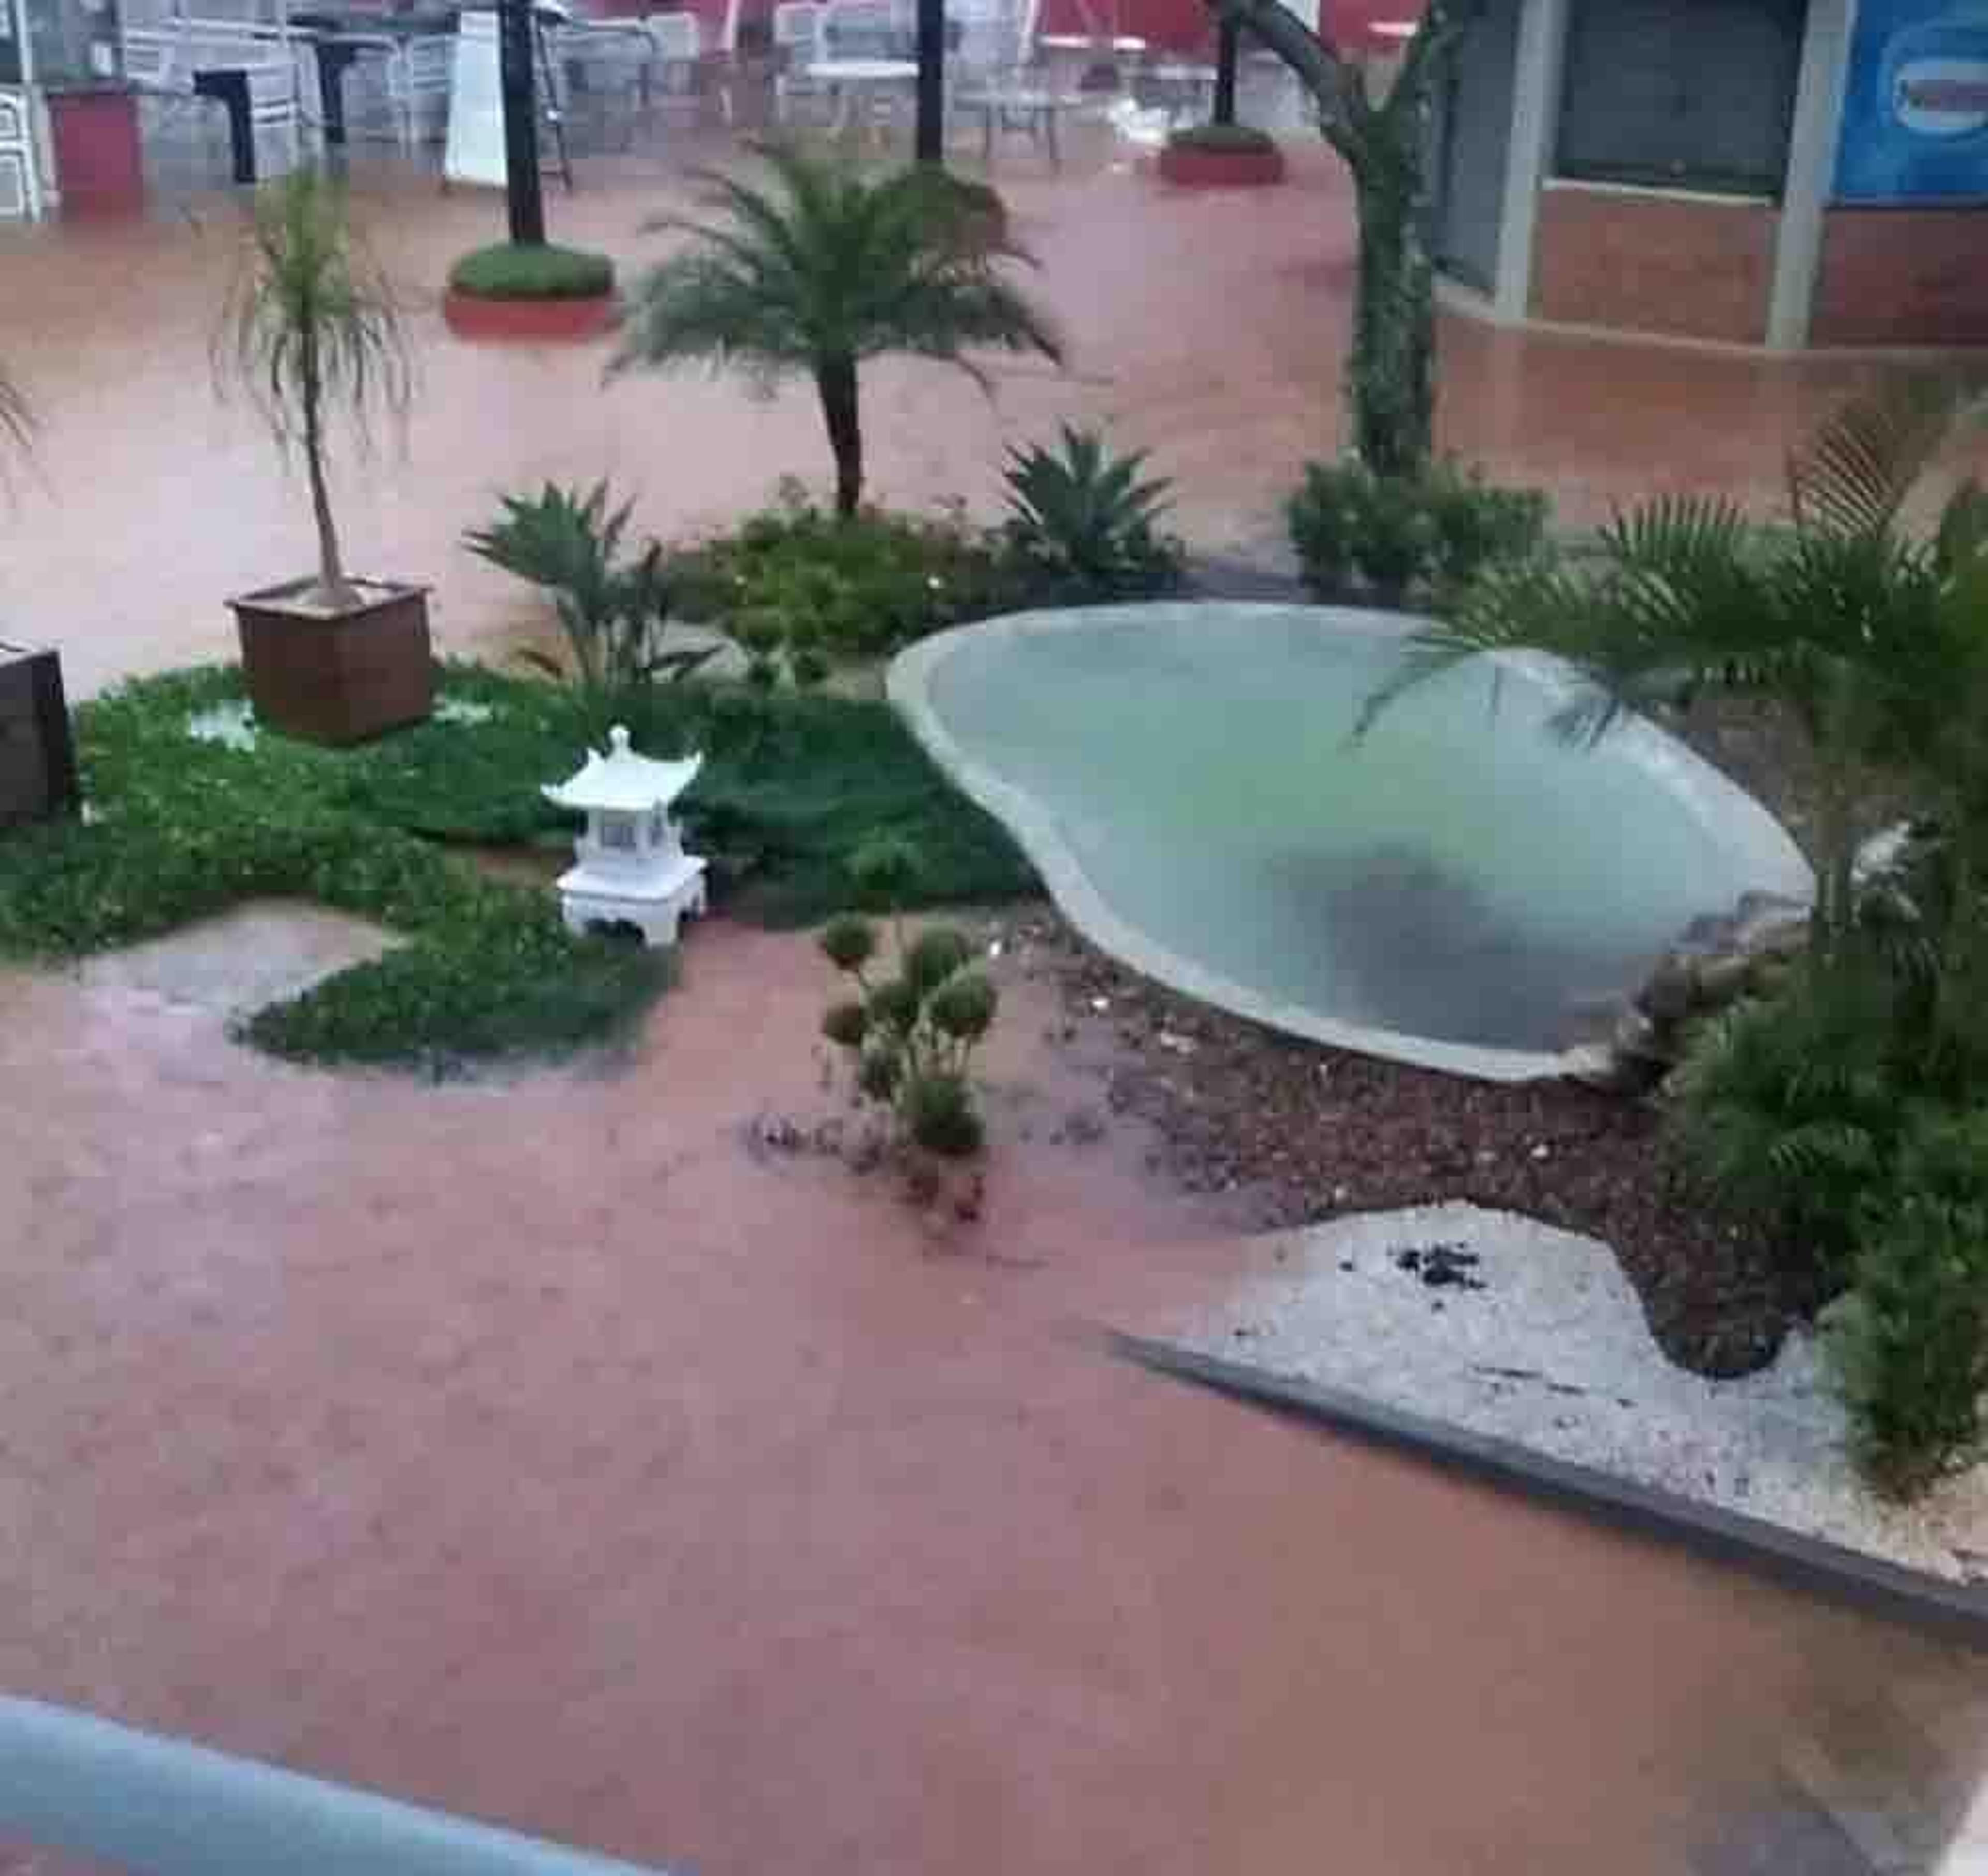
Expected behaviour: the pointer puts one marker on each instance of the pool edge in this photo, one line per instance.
(1705, 792)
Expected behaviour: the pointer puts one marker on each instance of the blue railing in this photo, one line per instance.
(83, 1787)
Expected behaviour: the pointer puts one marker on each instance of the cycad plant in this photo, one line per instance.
(310, 330)
(1874, 640)
(1085, 523)
(611, 607)
(823, 271)
(17, 415)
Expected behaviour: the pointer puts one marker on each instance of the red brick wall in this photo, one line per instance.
(1649, 262)
(1902, 276)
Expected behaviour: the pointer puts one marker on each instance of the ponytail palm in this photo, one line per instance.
(826, 269)
(310, 330)
(1869, 636)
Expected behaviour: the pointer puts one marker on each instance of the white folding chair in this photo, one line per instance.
(20, 177)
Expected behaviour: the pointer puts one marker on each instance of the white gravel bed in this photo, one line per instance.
(1541, 1340)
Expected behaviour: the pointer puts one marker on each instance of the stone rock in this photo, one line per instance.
(1724, 980)
(1637, 1036)
(1671, 990)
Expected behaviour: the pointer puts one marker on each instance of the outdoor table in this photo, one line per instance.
(844, 76)
(338, 40)
(228, 85)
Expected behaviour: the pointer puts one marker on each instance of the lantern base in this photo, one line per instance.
(653, 902)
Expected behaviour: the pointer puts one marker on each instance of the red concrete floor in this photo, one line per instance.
(545, 1451)
(1210, 327)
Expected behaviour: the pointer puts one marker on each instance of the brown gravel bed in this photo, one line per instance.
(1304, 1133)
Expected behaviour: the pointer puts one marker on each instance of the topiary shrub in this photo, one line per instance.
(508, 271)
(1223, 139)
(1360, 534)
(912, 1035)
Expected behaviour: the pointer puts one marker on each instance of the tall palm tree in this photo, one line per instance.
(1872, 638)
(822, 272)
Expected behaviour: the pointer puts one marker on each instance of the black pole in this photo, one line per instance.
(1228, 46)
(523, 193)
(932, 81)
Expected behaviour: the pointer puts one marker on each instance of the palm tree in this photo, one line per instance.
(827, 271)
(1875, 641)
(310, 327)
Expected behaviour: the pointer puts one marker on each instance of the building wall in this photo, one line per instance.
(1688, 266)
(1902, 276)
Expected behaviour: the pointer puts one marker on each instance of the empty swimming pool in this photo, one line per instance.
(1457, 888)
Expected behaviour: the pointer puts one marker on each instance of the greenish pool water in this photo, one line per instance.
(1457, 875)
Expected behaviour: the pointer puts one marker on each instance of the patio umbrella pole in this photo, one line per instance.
(524, 195)
(931, 145)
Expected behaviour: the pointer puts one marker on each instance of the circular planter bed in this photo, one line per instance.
(530, 296)
(1221, 157)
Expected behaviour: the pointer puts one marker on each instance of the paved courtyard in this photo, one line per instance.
(556, 1451)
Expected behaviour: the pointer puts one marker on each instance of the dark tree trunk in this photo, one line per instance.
(835, 379)
(930, 127)
(1391, 371)
(1228, 52)
(525, 196)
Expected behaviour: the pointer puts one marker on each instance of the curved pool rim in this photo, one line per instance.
(1720, 805)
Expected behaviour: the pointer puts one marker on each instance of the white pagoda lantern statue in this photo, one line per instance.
(631, 868)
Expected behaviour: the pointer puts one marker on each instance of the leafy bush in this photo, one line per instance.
(504, 271)
(1791, 1106)
(1403, 540)
(801, 588)
(611, 610)
(1222, 138)
(913, 1035)
(1083, 528)
(1909, 1342)
(793, 786)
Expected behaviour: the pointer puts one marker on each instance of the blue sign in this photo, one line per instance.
(1916, 107)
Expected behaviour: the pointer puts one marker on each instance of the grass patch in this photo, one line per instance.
(1222, 138)
(503, 271)
(181, 830)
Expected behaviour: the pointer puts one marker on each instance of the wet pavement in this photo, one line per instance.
(554, 1450)
(1208, 326)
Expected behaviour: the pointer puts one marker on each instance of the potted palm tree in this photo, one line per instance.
(310, 330)
(37, 758)
(828, 269)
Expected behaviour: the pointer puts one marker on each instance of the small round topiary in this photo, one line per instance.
(1228, 139)
(507, 272)
(939, 1116)
(896, 1005)
(935, 955)
(849, 942)
(846, 1024)
(963, 1007)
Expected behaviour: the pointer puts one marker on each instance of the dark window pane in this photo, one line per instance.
(1698, 96)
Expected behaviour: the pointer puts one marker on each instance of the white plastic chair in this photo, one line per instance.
(404, 80)
(798, 43)
(20, 178)
(678, 42)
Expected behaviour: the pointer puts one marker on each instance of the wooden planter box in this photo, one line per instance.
(337, 676)
(37, 758)
(1187, 167)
